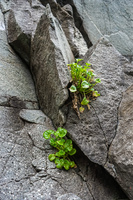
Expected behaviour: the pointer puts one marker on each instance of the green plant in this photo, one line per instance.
(83, 83)
(64, 147)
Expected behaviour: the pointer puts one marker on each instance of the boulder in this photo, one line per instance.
(20, 31)
(121, 149)
(16, 84)
(25, 171)
(110, 18)
(73, 35)
(50, 54)
(96, 128)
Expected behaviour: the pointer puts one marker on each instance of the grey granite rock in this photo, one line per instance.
(94, 132)
(66, 20)
(34, 116)
(121, 149)
(69, 197)
(110, 18)
(25, 170)
(16, 84)
(20, 31)
(50, 55)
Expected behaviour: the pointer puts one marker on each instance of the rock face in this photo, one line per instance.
(20, 31)
(110, 18)
(25, 171)
(50, 55)
(94, 132)
(73, 35)
(97, 128)
(121, 150)
(16, 84)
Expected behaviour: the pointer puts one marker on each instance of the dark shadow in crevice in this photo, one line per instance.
(101, 184)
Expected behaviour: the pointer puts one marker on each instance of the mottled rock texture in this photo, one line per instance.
(111, 18)
(22, 21)
(25, 171)
(50, 55)
(94, 132)
(73, 35)
(96, 128)
(121, 149)
(16, 84)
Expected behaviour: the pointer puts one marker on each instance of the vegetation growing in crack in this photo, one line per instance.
(82, 87)
(64, 147)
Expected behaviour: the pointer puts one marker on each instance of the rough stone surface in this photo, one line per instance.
(68, 197)
(94, 132)
(111, 18)
(34, 116)
(25, 171)
(121, 150)
(50, 55)
(73, 35)
(20, 31)
(16, 84)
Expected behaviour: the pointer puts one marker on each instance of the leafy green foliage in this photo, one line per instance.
(64, 147)
(83, 83)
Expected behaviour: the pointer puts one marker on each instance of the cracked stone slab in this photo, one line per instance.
(20, 31)
(26, 172)
(66, 20)
(50, 55)
(25, 167)
(121, 149)
(15, 78)
(94, 132)
(110, 18)
(34, 116)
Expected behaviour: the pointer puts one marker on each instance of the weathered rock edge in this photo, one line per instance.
(50, 54)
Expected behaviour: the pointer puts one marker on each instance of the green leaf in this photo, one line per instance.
(57, 160)
(98, 80)
(56, 133)
(57, 154)
(85, 84)
(96, 94)
(59, 166)
(69, 148)
(84, 101)
(62, 153)
(87, 64)
(73, 88)
(81, 109)
(67, 143)
(71, 153)
(66, 166)
(77, 60)
(51, 157)
(47, 134)
(62, 132)
(92, 89)
(62, 162)
(72, 164)
(66, 162)
(52, 142)
(59, 163)
(61, 142)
